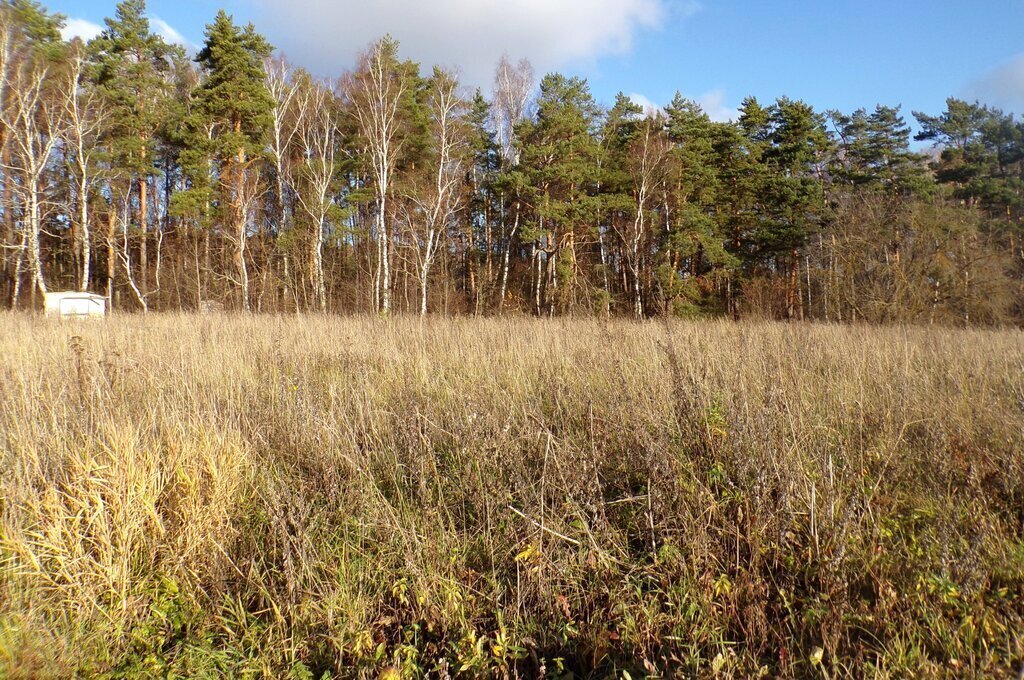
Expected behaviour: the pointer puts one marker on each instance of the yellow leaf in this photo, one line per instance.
(526, 554)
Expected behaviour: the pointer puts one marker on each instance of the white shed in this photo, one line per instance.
(75, 305)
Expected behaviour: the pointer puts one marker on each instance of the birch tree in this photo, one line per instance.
(34, 119)
(314, 175)
(437, 200)
(120, 206)
(513, 89)
(646, 162)
(8, 42)
(86, 117)
(29, 38)
(375, 94)
(242, 187)
(285, 119)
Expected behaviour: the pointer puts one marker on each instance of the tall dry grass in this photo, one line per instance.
(298, 496)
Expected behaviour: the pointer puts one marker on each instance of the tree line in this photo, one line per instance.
(230, 177)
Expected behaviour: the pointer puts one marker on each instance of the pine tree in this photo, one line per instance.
(874, 151)
(799, 147)
(560, 156)
(132, 65)
(743, 184)
(483, 166)
(618, 230)
(233, 111)
(1000, 185)
(38, 28)
(754, 120)
(957, 127)
(693, 257)
(981, 158)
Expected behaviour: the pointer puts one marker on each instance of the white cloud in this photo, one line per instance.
(326, 35)
(1002, 86)
(645, 103)
(87, 30)
(684, 9)
(168, 32)
(714, 105)
(80, 28)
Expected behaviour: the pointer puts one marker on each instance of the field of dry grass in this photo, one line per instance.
(328, 497)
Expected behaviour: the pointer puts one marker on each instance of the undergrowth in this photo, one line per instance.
(325, 497)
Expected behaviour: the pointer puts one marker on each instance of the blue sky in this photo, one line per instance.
(841, 54)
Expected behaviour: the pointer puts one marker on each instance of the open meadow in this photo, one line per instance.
(307, 496)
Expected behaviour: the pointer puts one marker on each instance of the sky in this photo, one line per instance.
(834, 54)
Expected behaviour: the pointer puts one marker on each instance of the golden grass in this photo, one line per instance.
(304, 495)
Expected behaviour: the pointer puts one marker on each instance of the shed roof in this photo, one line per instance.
(74, 294)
